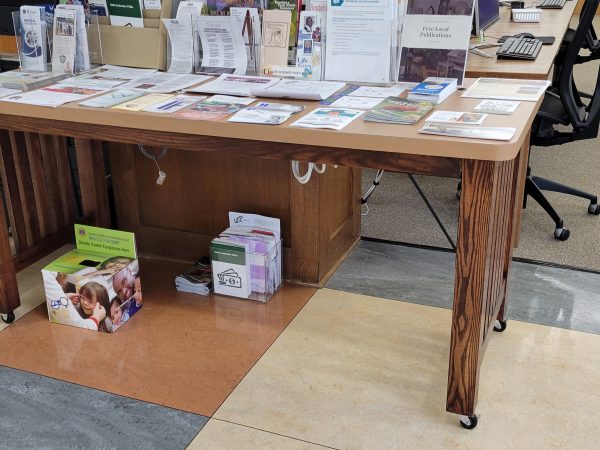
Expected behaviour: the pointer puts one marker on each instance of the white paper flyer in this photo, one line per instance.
(63, 38)
(331, 118)
(223, 49)
(235, 85)
(249, 22)
(309, 57)
(181, 45)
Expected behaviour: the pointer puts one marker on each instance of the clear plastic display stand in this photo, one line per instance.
(94, 39)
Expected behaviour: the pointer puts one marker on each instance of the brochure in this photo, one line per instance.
(382, 92)
(399, 110)
(109, 77)
(352, 101)
(33, 38)
(23, 80)
(175, 104)
(433, 89)
(248, 20)
(142, 102)
(231, 268)
(82, 52)
(290, 6)
(165, 82)
(497, 107)
(112, 98)
(223, 49)
(507, 89)
(126, 13)
(266, 113)
(64, 41)
(215, 108)
(435, 39)
(299, 89)
(55, 95)
(275, 36)
(493, 133)
(330, 118)
(181, 45)
(309, 57)
(359, 40)
(235, 85)
(464, 118)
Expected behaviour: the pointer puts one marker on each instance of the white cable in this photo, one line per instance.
(322, 169)
(302, 179)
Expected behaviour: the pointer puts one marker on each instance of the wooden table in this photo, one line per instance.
(555, 22)
(492, 188)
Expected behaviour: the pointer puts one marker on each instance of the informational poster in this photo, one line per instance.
(435, 39)
(360, 31)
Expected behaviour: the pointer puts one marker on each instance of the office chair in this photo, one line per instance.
(563, 106)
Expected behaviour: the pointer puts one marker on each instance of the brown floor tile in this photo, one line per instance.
(181, 350)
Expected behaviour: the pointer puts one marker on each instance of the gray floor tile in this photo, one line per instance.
(37, 412)
(538, 294)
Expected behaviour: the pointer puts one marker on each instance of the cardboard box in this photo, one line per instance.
(97, 285)
(136, 47)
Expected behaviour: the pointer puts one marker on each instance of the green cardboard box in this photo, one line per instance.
(97, 285)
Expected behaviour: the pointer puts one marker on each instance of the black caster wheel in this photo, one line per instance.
(594, 209)
(562, 234)
(458, 189)
(10, 317)
(500, 326)
(468, 423)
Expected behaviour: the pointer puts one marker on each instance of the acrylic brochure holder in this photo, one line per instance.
(94, 39)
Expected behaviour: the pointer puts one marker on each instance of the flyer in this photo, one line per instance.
(175, 104)
(181, 45)
(275, 32)
(351, 101)
(465, 118)
(507, 89)
(215, 108)
(63, 38)
(109, 77)
(126, 13)
(265, 113)
(298, 89)
(112, 98)
(330, 118)
(223, 49)
(497, 107)
(309, 57)
(248, 20)
(165, 82)
(33, 38)
(55, 95)
(383, 92)
(142, 102)
(235, 85)
(493, 133)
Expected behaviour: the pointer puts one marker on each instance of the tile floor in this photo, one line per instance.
(344, 368)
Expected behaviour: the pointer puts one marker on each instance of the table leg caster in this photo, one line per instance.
(10, 317)
(500, 326)
(468, 422)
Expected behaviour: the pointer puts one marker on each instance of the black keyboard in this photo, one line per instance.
(551, 4)
(519, 48)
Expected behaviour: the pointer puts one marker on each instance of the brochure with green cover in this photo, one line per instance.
(126, 13)
(399, 110)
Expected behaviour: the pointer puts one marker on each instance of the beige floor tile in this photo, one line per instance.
(30, 284)
(217, 434)
(357, 372)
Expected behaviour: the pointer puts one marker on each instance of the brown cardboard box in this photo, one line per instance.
(136, 47)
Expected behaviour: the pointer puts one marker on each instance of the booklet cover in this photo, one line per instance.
(435, 39)
(399, 110)
(126, 13)
(434, 86)
(309, 56)
(330, 118)
(275, 35)
(492, 133)
(215, 108)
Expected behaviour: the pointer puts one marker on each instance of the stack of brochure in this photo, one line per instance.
(398, 110)
(196, 279)
(23, 80)
(433, 89)
(266, 113)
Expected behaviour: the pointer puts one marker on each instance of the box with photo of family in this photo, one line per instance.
(96, 286)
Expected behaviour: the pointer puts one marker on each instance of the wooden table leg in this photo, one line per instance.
(92, 181)
(9, 291)
(484, 250)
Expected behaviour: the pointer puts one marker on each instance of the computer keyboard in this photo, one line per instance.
(519, 48)
(551, 4)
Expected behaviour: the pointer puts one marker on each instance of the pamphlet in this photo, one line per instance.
(309, 57)
(399, 110)
(33, 38)
(330, 118)
(55, 95)
(352, 101)
(112, 98)
(231, 268)
(464, 118)
(235, 85)
(24, 80)
(165, 82)
(433, 89)
(248, 20)
(435, 39)
(507, 89)
(497, 107)
(493, 133)
(290, 6)
(82, 52)
(142, 102)
(382, 92)
(223, 49)
(275, 34)
(175, 104)
(215, 108)
(181, 45)
(109, 77)
(126, 13)
(359, 40)
(266, 113)
(298, 89)
(189, 10)
(64, 41)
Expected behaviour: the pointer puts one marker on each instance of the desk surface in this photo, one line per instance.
(123, 126)
(554, 23)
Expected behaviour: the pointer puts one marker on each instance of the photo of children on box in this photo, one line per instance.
(97, 286)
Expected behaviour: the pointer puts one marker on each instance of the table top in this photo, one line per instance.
(554, 22)
(106, 124)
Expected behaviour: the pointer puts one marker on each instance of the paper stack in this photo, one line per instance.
(196, 279)
(433, 89)
(23, 80)
(398, 110)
